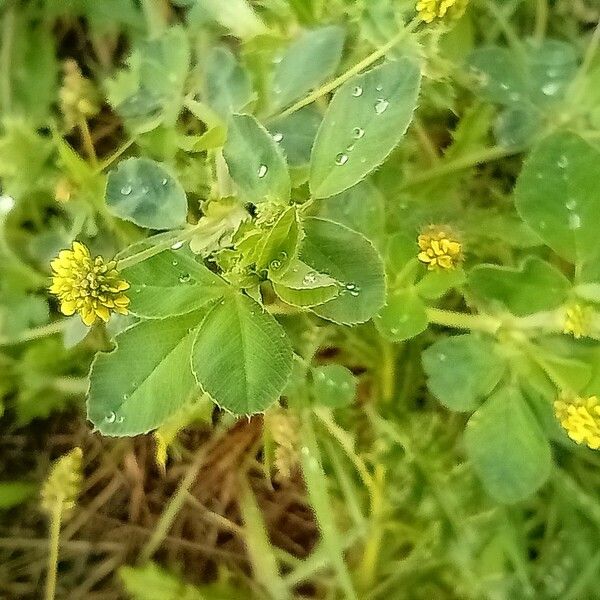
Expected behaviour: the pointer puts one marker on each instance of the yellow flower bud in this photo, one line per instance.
(428, 10)
(439, 248)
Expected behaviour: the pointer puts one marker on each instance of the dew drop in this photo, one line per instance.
(262, 171)
(563, 161)
(185, 278)
(275, 264)
(174, 263)
(574, 221)
(503, 86)
(164, 181)
(278, 137)
(309, 278)
(126, 190)
(379, 88)
(358, 132)
(381, 106)
(352, 288)
(7, 203)
(110, 417)
(571, 204)
(341, 159)
(177, 246)
(550, 88)
(442, 357)
(120, 419)
(125, 396)
(349, 148)
(357, 91)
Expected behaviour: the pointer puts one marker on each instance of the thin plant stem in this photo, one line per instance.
(8, 28)
(35, 333)
(448, 318)
(166, 243)
(459, 164)
(173, 507)
(88, 143)
(55, 520)
(116, 154)
(355, 70)
(541, 21)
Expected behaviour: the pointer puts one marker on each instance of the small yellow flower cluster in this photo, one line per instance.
(78, 97)
(578, 320)
(580, 417)
(88, 286)
(439, 249)
(428, 10)
(63, 484)
(284, 429)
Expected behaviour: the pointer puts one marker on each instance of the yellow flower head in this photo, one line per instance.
(428, 10)
(439, 248)
(88, 286)
(580, 417)
(578, 320)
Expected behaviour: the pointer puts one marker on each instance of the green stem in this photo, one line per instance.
(173, 507)
(8, 27)
(388, 370)
(55, 520)
(116, 154)
(541, 21)
(459, 164)
(36, 333)
(164, 244)
(355, 70)
(457, 320)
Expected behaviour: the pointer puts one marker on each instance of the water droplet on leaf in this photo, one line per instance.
(262, 171)
(177, 246)
(358, 132)
(126, 190)
(110, 417)
(278, 137)
(571, 204)
(185, 278)
(357, 91)
(381, 106)
(341, 159)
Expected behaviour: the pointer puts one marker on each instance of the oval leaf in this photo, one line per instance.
(351, 259)
(507, 447)
(144, 192)
(558, 195)
(171, 283)
(241, 356)
(519, 289)
(366, 119)
(146, 379)
(311, 59)
(403, 316)
(462, 370)
(255, 161)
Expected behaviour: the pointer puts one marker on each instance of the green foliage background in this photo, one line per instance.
(261, 170)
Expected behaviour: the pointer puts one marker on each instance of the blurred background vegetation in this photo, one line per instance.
(80, 84)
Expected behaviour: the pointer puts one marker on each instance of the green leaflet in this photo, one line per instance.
(558, 195)
(519, 289)
(255, 161)
(367, 117)
(462, 370)
(145, 379)
(144, 192)
(351, 259)
(308, 61)
(507, 446)
(171, 283)
(241, 356)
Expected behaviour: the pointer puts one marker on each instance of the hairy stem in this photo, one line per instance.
(54, 534)
(355, 70)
